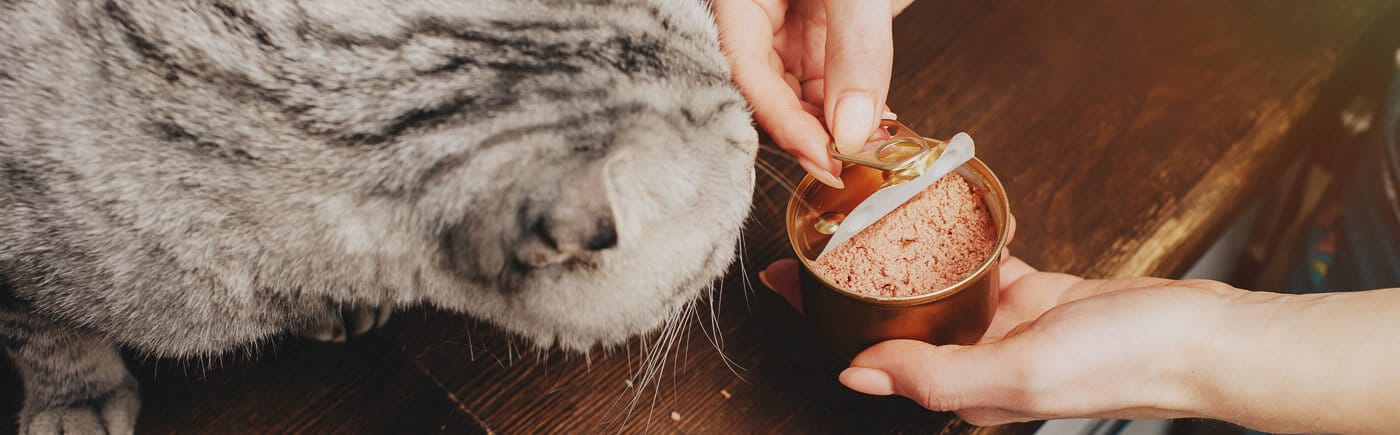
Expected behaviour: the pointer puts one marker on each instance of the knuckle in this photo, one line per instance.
(935, 399)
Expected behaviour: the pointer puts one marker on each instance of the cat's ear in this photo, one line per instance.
(580, 220)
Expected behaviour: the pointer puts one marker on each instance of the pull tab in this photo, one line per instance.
(903, 156)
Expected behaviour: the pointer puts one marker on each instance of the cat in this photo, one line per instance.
(184, 178)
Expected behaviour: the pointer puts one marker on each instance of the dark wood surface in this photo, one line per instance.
(1127, 133)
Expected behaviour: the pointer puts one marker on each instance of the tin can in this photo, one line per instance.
(849, 321)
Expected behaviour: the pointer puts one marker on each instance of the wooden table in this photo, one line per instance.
(1127, 133)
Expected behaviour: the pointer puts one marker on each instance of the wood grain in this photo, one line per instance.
(1127, 133)
(1143, 125)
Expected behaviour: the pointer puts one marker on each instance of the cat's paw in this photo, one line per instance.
(348, 322)
(113, 413)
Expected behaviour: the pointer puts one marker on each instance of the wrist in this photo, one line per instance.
(1293, 363)
(1225, 366)
(1205, 348)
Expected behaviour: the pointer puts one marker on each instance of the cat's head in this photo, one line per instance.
(572, 172)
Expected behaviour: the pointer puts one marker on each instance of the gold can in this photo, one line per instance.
(849, 321)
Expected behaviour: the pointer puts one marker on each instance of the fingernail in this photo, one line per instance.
(869, 381)
(764, 279)
(835, 166)
(889, 115)
(820, 174)
(855, 113)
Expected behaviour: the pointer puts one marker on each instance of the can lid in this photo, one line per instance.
(899, 187)
(901, 153)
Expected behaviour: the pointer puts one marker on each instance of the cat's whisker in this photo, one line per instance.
(499, 361)
(664, 346)
(775, 150)
(629, 355)
(714, 335)
(743, 270)
(621, 418)
(649, 371)
(767, 169)
(782, 181)
(471, 348)
(683, 344)
(775, 174)
(715, 307)
(653, 358)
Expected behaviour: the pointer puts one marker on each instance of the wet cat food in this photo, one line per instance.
(931, 242)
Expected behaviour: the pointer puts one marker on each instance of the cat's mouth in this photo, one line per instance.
(541, 253)
(523, 271)
(572, 311)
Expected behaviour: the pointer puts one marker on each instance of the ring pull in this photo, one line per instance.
(896, 150)
(895, 147)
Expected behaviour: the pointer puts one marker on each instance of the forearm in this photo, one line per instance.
(1311, 363)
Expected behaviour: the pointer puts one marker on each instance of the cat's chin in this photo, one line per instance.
(580, 313)
(580, 338)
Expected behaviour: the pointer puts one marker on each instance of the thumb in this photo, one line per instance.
(859, 55)
(940, 378)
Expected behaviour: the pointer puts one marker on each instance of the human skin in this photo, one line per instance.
(802, 73)
(1061, 346)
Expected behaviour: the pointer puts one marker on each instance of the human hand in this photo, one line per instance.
(1059, 346)
(788, 57)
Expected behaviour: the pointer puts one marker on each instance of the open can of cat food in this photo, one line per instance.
(850, 321)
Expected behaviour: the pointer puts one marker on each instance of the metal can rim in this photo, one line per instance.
(1003, 208)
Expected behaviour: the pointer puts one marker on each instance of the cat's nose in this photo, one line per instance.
(577, 222)
(577, 234)
(563, 236)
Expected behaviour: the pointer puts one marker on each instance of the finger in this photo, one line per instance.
(781, 277)
(1010, 228)
(859, 54)
(1018, 302)
(900, 6)
(1010, 236)
(1012, 270)
(747, 42)
(940, 378)
(813, 110)
(1026, 293)
(814, 91)
(793, 84)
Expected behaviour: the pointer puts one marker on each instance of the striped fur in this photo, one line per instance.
(186, 178)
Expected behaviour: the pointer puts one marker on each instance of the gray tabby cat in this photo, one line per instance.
(187, 178)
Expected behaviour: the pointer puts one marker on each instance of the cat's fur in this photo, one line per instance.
(185, 178)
